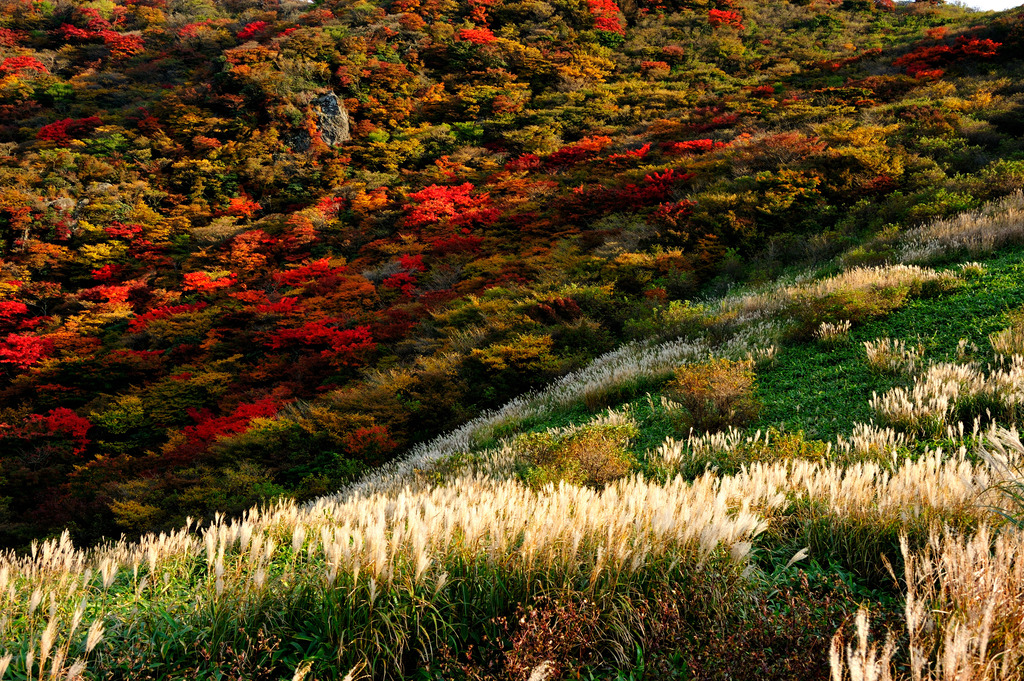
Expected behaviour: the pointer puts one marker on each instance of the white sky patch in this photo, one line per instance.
(992, 4)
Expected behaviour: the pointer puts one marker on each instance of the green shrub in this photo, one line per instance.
(593, 455)
(717, 393)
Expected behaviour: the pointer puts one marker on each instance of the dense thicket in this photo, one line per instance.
(209, 297)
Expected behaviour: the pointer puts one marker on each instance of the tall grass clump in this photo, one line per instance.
(382, 580)
(861, 293)
(833, 333)
(1010, 341)
(893, 356)
(947, 393)
(996, 225)
(1004, 452)
(964, 614)
(854, 295)
(728, 452)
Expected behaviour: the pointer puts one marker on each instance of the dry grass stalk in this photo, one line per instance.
(996, 225)
(972, 269)
(1008, 342)
(945, 389)
(830, 333)
(869, 439)
(964, 613)
(863, 661)
(893, 356)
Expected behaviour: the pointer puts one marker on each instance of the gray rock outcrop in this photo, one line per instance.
(331, 121)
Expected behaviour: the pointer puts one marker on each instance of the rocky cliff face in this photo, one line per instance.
(331, 121)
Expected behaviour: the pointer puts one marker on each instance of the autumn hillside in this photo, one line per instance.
(252, 250)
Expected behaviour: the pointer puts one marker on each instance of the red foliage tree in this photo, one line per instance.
(251, 29)
(369, 444)
(403, 282)
(456, 204)
(63, 421)
(63, 131)
(477, 36)
(21, 64)
(23, 351)
(122, 45)
(346, 347)
(243, 206)
(721, 17)
(9, 309)
(606, 16)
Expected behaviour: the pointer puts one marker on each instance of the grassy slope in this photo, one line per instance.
(773, 626)
(822, 391)
(825, 391)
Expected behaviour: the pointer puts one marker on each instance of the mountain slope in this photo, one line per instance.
(733, 554)
(210, 297)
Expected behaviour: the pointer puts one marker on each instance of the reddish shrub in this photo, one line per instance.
(402, 281)
(201, 282)
(456, 244)
(657, 66)
(369, 444)
(673, 53)
(606, 16)
(122, 231)
(208, 428)
(718, 17)
(924, 61)
(693, 147)
(477, 36)
(74, 33)
(285, 306)
(138, 324)
(557, 634)
(24, 351)
(63, 131)
(9, 38)
(320, 271)
(22, 63)
(524, 162)
(586, 149)
(251, 29)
